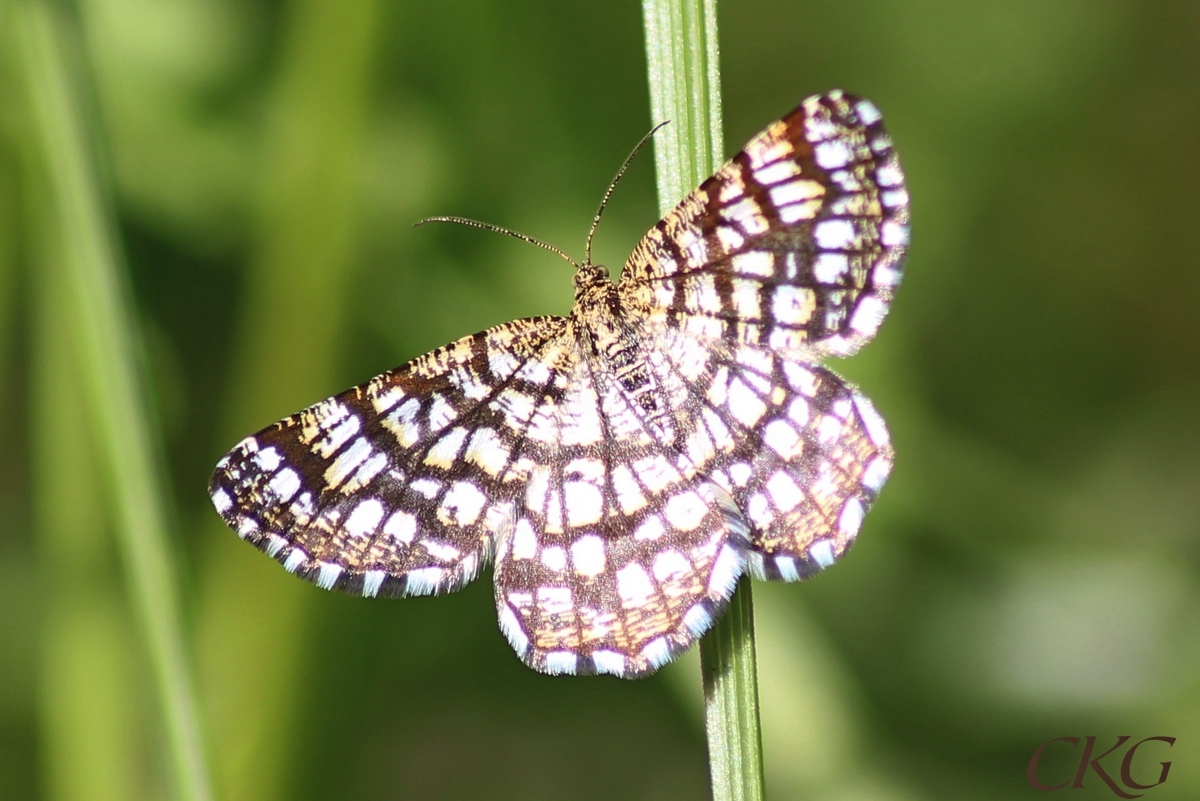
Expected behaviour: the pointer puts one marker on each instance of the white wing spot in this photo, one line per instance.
(868, 112)
(327, 575)
(268, 460)
(655, 472)
(793, 305)
(822, 553)
(834, 234)
(513, 632)
(401, 526)
(782, 438)
(894, 198)
(876, 473)
(535, 372)
(774, 173)
(524, 544)
(339, 436)
(488, 451)
(445, 451)
(832, 154)
(759, 509)
(347, 462)
(829, 429)
(725, 572)
(851, 518)
(756, 262)
(876, 429)
(222, 501)
(800, 378)
(633, 585)
(651, 529)
(830, 268)
(423, 581)
(365, 518)
(295, 560)
(893, 234)
(561, 662)
(554, 558)
(745, 299)
(786, 565)
(796, 191)
(686, 511)
(609, 662)
(889, 175)
(384, 401)
(784, 492)
(799, 211)
(584, 503)
(372, 467)
(441, 413)
(372, 581)
(629, 495)
(555, 600)
(868, 315)
(657, 652)
(745, 405)
(587, 555)
(427, 487)
(403, 423)
(441, 551)
(697, 620)
(670, 564)
(463, 503)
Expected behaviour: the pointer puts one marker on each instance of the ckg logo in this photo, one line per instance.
(1088, 761)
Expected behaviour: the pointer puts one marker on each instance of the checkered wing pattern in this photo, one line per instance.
(796, 244)
(626, 464)
(801, 451)
(398, 486)
(614, 554)
(790, 252)
(621, 554)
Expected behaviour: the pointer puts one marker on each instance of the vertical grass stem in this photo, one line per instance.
(684, 72)
(105, 344)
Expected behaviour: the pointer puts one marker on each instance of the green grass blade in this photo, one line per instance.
(105, 344)
(731, 719)
(87, 687)
(285, 357)
(684, 72)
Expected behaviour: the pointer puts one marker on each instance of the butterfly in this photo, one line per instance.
(624, 465)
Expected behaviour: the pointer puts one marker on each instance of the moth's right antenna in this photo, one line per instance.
(587, 255)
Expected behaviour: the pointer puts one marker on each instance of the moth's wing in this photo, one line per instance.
(801, 451)
(397, 486)
(790, 252)
(796, 244)
(621, 554)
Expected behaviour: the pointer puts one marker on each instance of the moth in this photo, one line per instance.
(622, 466)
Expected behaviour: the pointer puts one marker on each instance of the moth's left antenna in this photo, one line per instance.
(500, 230)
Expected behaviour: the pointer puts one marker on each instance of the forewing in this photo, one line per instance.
(621, 554)
(796, 244)
(397, 486)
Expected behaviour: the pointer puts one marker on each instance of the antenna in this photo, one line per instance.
(587, 257)
(595, 220)
(499, 230)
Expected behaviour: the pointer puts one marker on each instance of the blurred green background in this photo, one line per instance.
(1031, 571)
